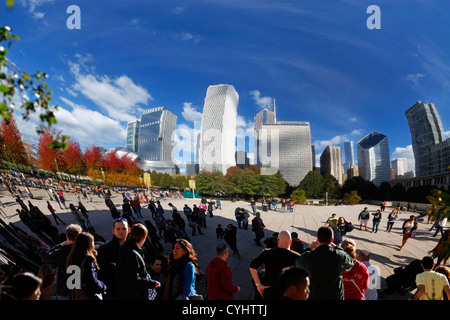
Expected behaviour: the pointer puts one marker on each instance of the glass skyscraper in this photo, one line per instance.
(349, 155)
(133, 135)
(373, 158)
(156, 134)
(218, 132)
(427, 134)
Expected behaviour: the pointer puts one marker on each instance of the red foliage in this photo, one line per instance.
(46, 155)
(13, 144)
(93, 157)
(73, 159)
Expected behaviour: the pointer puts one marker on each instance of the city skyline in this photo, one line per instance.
(318, 60)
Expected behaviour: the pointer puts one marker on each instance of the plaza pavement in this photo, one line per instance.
(305, 220)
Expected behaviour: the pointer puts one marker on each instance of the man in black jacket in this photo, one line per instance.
(57, 257)
(107, 256)
(132, 279)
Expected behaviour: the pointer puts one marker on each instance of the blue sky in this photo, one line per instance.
(318, 60)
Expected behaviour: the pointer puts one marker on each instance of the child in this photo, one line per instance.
(219, 231)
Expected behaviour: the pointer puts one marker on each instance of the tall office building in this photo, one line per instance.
(156, 134)
(331, 162)
(349, 155)
(218, 132)
(400, 167)
(265, 116)
(133, 135)
(286, 146)
(373, 158)
(427, 136)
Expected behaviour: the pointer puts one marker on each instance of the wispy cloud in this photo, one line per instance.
(33, 5)
(414, 77)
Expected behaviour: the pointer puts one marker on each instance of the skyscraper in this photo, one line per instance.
(286, 146)
(373, 158)
(331, 162)
(218, 132)
(349, 155)
(133, 135)
(265, 116)
(156, 134)
(400, 167)
(426, 133)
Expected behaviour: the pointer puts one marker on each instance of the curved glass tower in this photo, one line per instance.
(373, 158)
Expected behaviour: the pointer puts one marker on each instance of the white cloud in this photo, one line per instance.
(178, 10)
(32, 6)
(262, 102)
(353, 119)
(84, 125)
(414, 78)
(120, 97)
(447, 134)
(187, 36)
(190, 113)
(406, 152)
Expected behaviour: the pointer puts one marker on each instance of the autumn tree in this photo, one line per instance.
(46, 155)
(73, 159)
(14, 148)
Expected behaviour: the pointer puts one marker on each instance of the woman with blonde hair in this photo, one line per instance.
(356, 280)
(84, 255)
(182, 271)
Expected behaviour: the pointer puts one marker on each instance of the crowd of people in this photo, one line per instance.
(133, 265)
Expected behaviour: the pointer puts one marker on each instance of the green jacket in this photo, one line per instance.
(326, 265)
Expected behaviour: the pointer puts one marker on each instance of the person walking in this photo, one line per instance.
(430, 284)
(258, 228)
(132, 279)
(84, 255)
(326, 263)
(274, 261)
(392, 217)
(62, 199)
(84, 212)
(182, 272)
(230, 237)
(409, 227)
(376, 220)
(52, 211)
(218, 276)
(77, 216)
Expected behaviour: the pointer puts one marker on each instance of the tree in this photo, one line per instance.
(73, 159)
(298, 195)
(46, 155)
(32, 90)
(312, 184)
(14, 148)
(352, 197)
(93, 157)
(331, 185)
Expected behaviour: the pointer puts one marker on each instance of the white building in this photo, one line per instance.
(331, 162)
(218, 132)
(286, 146)
(265, 116)
(400, 167)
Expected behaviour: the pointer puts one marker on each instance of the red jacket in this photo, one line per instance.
(360, 276)
(218, 281)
